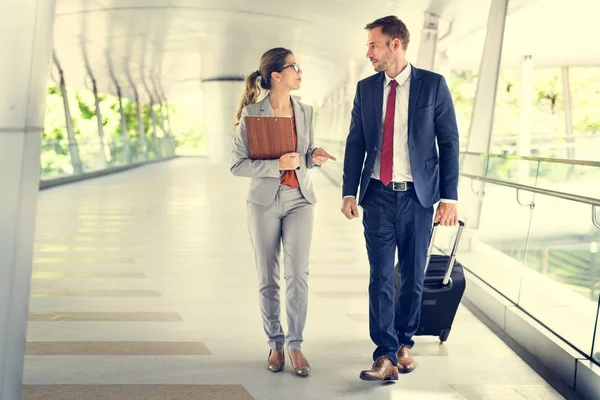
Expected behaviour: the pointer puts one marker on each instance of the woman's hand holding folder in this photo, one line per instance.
(289, 161)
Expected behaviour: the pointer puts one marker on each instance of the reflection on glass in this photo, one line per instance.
(523, 172)
(562, 282)
(581, 180)
(56, 158)
(473, 164)
(493, 245)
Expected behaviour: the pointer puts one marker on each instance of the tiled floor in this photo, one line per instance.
(146, 278)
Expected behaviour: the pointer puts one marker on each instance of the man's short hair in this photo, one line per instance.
(393, 27)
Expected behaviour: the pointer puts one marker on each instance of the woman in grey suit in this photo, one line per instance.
(280, 202)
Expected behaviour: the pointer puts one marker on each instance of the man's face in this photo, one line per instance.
(380, 51)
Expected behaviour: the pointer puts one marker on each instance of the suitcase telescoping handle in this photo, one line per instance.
(452, 258)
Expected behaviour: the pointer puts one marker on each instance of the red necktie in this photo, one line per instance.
(387, 145)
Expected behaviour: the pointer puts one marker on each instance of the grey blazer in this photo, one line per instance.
(265, 174)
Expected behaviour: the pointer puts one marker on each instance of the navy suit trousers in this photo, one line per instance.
(395, 220)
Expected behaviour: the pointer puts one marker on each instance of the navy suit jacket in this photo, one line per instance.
(431, 117)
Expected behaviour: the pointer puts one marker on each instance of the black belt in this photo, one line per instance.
(395, 186)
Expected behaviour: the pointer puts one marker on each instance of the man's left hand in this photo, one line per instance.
(446, 214)
(320, 156)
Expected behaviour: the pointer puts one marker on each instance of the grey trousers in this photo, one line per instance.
(288, 220)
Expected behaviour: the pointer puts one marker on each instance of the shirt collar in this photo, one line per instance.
(402, 78)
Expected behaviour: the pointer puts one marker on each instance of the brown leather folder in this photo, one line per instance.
(269, 137)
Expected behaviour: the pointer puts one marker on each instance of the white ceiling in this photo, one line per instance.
(178, 43)
(554, 32)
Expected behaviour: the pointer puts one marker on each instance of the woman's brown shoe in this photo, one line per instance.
(303, 371)
(278, 365)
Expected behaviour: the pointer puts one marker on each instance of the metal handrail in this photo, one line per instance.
(531, 158)
(553, 193)
(586, 163)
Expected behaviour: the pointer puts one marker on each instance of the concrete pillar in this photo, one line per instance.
(168, 116)
(485, 98)
(165, 115)
(221, 100)
(332, 104)
(480, 132)
(525, 116)
(73, 147)
(141, 127)
(353, 74)
(104, 153)
(152, 112)
(161, 102)
(444, 67)
(337, 114)
(566, 86)
(349, 93)
(169, 132)
(346, 112)
(157, 153)
(142, 147)
(153, 117)
(124, 135)
(429, 38)
(27, 27)
(321, 123)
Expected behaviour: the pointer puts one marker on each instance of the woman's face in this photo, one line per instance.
(291, 74)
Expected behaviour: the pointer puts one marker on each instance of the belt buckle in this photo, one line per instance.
(399, 186)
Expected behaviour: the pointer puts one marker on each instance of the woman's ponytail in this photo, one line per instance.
(251, 93)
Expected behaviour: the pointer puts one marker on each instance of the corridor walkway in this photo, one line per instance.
(144, 288)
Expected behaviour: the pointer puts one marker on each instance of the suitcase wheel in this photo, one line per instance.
(444, 335)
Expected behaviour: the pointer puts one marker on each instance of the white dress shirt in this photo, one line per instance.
(401, 163)
(401, 171)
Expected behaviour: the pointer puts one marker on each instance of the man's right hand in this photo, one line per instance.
(350, 208)
(289, 161)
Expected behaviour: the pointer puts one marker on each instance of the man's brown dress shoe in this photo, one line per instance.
(382, 370)
(276, 366)
(405, 360)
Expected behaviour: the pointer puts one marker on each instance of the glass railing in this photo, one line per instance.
(533, 234)
(57, 159)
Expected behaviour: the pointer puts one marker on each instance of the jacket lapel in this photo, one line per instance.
(378, 102)
(415, 90)
(265, 107)
(300, 122)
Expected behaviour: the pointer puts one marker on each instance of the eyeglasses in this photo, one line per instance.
(295, 66)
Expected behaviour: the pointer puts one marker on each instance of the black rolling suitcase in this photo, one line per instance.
(442, 292)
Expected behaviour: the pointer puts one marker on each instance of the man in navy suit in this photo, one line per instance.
(398, 116)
